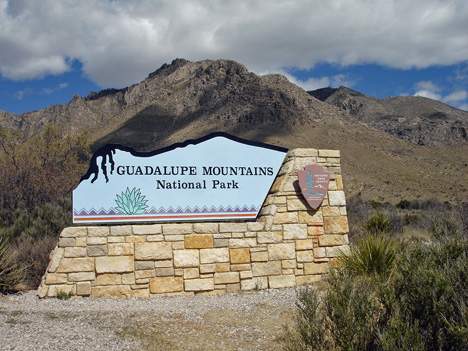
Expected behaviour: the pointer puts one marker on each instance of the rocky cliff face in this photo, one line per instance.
(418, 120)
(186, 100)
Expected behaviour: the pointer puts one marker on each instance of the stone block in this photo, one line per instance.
(316, 268)
(266, 268)
(319, 252)
(306, 244)
(55, 259)
(128, 278)
(217, 255)
(198, 241)
(284, 251)
(269, 237)
(289, 264)
(111, 291)
(336, 198)
(98, 231)
(199, 284)
(248, 285)
(337, 251)
(114, 264)
(217, 243)
(140, 293)
(206, 228)
(147, 273)
(233, 288)
(115, 239)
(186, 258)
(55, 278)
(178, 245)
(255, 226)
(329, 153)
(161, 285)
(207, 268)
(238, 243)
(259, 256)
(71, 252)
(239, 255)
(223, 267)
(177, 229)
(157, 237)
(311, 217)
(120, 249)
(303, 152)
(83, 288)
(72, 265)
(141, 265)
(246, 275)
(96, 240)
(329, 211)
(305, 256)
(336, 225)
(165, 272)
(152, 229)
(82, 276)
(153, 251)
(232, 227)
(97, 250)
(297, 205)
(282, 281)
(121, 230)
(286, 217)
(80, 241)
(261, 283)
(174, 237)
(66, 242)
(333, 240)
(191, 273)
(295, 231)
(135, 239)
(241, 267)
(315, 230)
(163, 264)
(226, 278)
(73, 232)
(339, 182)
(108, 279)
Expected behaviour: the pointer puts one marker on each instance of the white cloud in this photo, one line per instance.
(456, 96)
(120, 42)
(59, 87)
(430, 90)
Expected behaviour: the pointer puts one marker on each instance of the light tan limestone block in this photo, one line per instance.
(163, 264)
(199, 284)
(153, 251)
(316, 268)
(71, 252)
(233, 288)
(135, 239)
(72, 265)
(191, 273)
(266, 268)
(80, 277)
(141, 265)
(232, 227)
(96, 240)
(80, 241)
(320, 252)
(223, 267)
(150, 273)
(311, 217)
(241, 267)
(284, 251)
(315, 230)
(108, 279)
(288, 264)
(282, 281)
(115, 239)
(177, 229)
(226, 278)
(121, 230)
(255, 226)
(217, 255)
(56, 278)
(96, 250)
(114, 264)
(186, 258)
(128, 278)
(306, 244)
(111, 291)
(295, 204)
(207, 268)
(161, 285)
(55, 259)
(206, 228)
(152, 229)
(66, 242)
(336, 198)
(333, 240)
(248, 285)
(295, 231)
(140, 293)
(329, 153)
(269, 237)
(261, 256)
(246, 275)
(238, 243)
(83, 288)
(286, 218)
(337, 251)
(73, 232)
(305, 256)
(120, 249)
(98, 231)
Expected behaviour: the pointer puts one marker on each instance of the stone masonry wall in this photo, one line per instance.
(288, 245)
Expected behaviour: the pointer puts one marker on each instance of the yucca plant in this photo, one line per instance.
(371, 255)
(11, 273)
(377, 223)
(131, 202)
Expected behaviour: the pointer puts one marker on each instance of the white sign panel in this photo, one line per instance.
(218, 177)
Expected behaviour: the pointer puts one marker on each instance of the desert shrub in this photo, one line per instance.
(11, 272)
(377, 223)
(403, 204)
(371, 255)
(422, 305)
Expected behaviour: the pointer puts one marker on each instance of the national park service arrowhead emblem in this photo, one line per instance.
(313, 181)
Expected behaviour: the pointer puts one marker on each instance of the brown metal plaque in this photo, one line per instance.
(313, 181)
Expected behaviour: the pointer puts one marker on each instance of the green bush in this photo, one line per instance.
(422, 305)
(11, 273)
(377, 223)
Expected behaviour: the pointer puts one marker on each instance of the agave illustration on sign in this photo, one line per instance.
(131, 202)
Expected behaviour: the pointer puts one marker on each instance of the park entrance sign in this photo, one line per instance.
(218, 177)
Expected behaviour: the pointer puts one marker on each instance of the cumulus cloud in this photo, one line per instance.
(120, 42)
(432, 91)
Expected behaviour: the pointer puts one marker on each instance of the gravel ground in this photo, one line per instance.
(249, 321)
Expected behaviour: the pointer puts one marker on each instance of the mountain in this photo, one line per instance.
(419, 120)
(186, 100)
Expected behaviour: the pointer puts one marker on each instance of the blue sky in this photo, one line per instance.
(54, 49)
